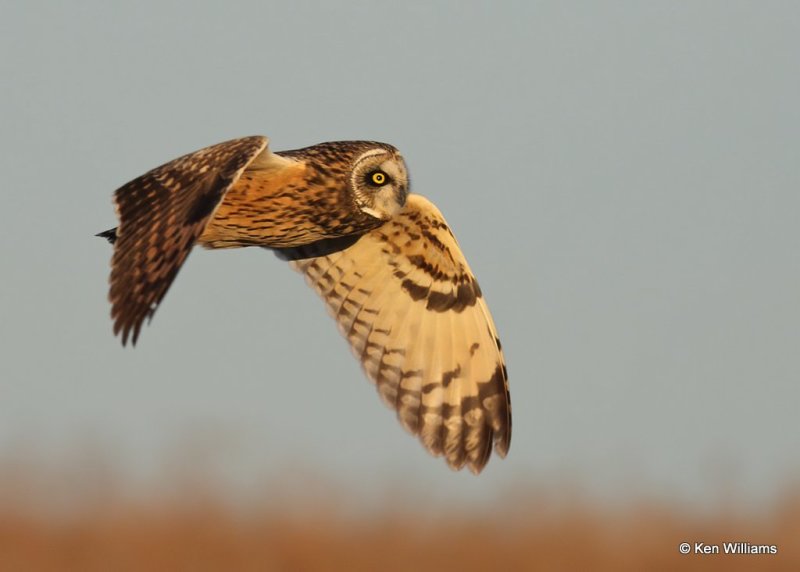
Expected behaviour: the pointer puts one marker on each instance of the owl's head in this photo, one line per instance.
(379, 181)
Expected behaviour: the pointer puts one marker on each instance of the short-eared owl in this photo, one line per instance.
(385, 262)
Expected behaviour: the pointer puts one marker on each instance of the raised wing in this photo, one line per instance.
(161, 214)
(406, 300)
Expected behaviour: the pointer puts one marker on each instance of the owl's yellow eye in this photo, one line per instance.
(377, 178)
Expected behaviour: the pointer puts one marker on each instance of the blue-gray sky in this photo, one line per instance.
(623, 177)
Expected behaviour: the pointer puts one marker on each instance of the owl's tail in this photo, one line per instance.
(110, 235)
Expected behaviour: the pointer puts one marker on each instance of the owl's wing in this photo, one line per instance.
(161, 214)
(406, 300)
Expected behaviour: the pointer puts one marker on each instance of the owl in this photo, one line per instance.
(384, 261)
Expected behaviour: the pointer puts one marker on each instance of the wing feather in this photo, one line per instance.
(161, 214)
(408, 304)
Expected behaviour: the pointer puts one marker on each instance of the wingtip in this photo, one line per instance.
(475, 468)
(501, 447)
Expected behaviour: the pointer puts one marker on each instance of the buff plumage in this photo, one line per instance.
(386, 264)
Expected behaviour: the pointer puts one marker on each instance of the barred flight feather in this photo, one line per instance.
(408, 304)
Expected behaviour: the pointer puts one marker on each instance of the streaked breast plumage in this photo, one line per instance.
(385, 262)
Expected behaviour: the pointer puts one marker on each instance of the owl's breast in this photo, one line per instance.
(283, 209)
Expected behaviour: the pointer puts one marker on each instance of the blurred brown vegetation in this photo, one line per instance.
(101, 529)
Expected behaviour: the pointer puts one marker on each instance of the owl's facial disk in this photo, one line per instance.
(380, 183)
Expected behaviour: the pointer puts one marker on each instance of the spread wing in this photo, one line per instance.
(161, 214)
(408, 304)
